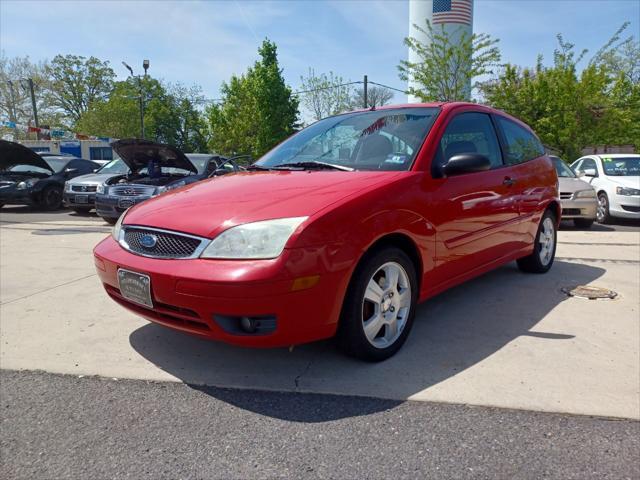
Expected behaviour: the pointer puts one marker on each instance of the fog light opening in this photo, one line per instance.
(249, 325)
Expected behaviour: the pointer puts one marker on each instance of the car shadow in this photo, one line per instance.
(452, 332)
(599, 227)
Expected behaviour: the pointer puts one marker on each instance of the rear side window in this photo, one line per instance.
(521, 144)
(469, 132)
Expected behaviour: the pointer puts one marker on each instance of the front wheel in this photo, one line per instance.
(602, 213)
(379, 307)
(51, 198)
(544, 248)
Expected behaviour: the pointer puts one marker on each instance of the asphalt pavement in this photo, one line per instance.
(63, 427)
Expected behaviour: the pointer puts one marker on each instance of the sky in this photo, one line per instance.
(205, 42)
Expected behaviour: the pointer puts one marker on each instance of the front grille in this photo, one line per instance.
(83, 188)
(566, 195)
(132, 190)
(160, 243)
(630, 208)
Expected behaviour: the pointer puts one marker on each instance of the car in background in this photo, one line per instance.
(616, 179)
(154, 168)
(578, 198)
(340, 230)
(80, 193)
(27, 178)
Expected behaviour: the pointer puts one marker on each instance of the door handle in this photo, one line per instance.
(508, 181)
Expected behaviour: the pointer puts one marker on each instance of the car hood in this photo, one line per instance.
(629, 182)
(93, 178)
(12, 154)
(136, 153)
(206, 208)
(573, 184)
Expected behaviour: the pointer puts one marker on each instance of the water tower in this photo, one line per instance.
(455, 16)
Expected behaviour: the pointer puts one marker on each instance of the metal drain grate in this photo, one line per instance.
(591, 293)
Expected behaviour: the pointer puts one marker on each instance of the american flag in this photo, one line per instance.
(452, 11)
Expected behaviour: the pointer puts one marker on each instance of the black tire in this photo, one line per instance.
(82, 210)
(351, 336)
(582, 223)
(110, 220)
(602, 214)
(534, 263)
(51, 198)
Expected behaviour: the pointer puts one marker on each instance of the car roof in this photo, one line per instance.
(615, 155)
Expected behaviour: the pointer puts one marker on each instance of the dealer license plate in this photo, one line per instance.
(82, 199)
(135, 287)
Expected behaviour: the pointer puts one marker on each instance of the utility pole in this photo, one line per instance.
(366, 85)
(34, 106)
(145, 65)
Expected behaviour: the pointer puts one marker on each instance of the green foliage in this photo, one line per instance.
(75, 83)
(571, 109)
(322, 97)
(257, 110)
(448, 63)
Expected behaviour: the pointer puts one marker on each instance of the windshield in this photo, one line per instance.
(621, 166)
(28, 169)
(370, 140)
(562, 169)
(116, 167)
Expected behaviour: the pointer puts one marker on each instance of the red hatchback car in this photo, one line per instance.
(340, 230)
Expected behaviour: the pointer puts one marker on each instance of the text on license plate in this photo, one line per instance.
(135, 287)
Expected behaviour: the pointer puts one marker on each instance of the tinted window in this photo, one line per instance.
(562, 169)
(469, 133)
(82, 166)
(370, 140)
(522, 145)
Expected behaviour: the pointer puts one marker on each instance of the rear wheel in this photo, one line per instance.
(379, 307)
(602, 213)
(544, 249)
(51, 198)
(583, 222)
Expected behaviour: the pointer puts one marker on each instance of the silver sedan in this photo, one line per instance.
(578, 198)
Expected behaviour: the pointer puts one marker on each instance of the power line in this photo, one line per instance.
(387, 86)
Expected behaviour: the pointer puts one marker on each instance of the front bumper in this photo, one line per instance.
(625, 206)
(579, 208)
(112, 206)
(70, 199)
(17, 197)
(193, 295)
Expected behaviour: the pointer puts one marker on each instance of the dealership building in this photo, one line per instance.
(89, 149)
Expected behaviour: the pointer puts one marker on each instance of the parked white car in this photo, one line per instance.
(616, 178)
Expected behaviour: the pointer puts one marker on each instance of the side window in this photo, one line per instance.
(522, 145)
(470, 132)
(577, 165)
(82, 167)
(589, 163)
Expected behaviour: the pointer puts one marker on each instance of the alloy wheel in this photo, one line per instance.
(601, 212)
(386, 305)
(546, 241)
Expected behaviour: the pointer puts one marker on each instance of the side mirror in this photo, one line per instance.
(579, 173)
(590, 172)
(466, 163)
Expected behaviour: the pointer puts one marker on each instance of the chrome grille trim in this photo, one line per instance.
(132, 190)
(171, 247)
(566, 195)
(84, 188)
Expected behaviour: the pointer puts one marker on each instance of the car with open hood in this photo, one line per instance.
(154, 168)
(577, 197)
(26, 178)
(80, 192)
(340, 230)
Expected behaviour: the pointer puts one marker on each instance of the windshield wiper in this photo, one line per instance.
(255, 166)
(313, 164)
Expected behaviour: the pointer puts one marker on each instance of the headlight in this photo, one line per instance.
(591, 193)
(101, 189)
(117, 228)
(25, 184)
(627, 191)
(264, 239)
(67, 187)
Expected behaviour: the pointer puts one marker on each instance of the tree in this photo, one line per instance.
(376, 97)
(326, 94)
(257, 110)
(75, 83)
(448, 63)
(571, 109)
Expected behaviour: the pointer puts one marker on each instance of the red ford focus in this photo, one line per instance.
(340, 230)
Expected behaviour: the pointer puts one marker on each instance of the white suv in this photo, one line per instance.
(616, 178)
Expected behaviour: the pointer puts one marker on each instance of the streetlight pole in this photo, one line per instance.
(141, 98)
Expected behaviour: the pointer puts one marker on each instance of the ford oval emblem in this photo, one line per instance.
(148, 240)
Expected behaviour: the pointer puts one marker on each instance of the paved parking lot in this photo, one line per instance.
(504, 340)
